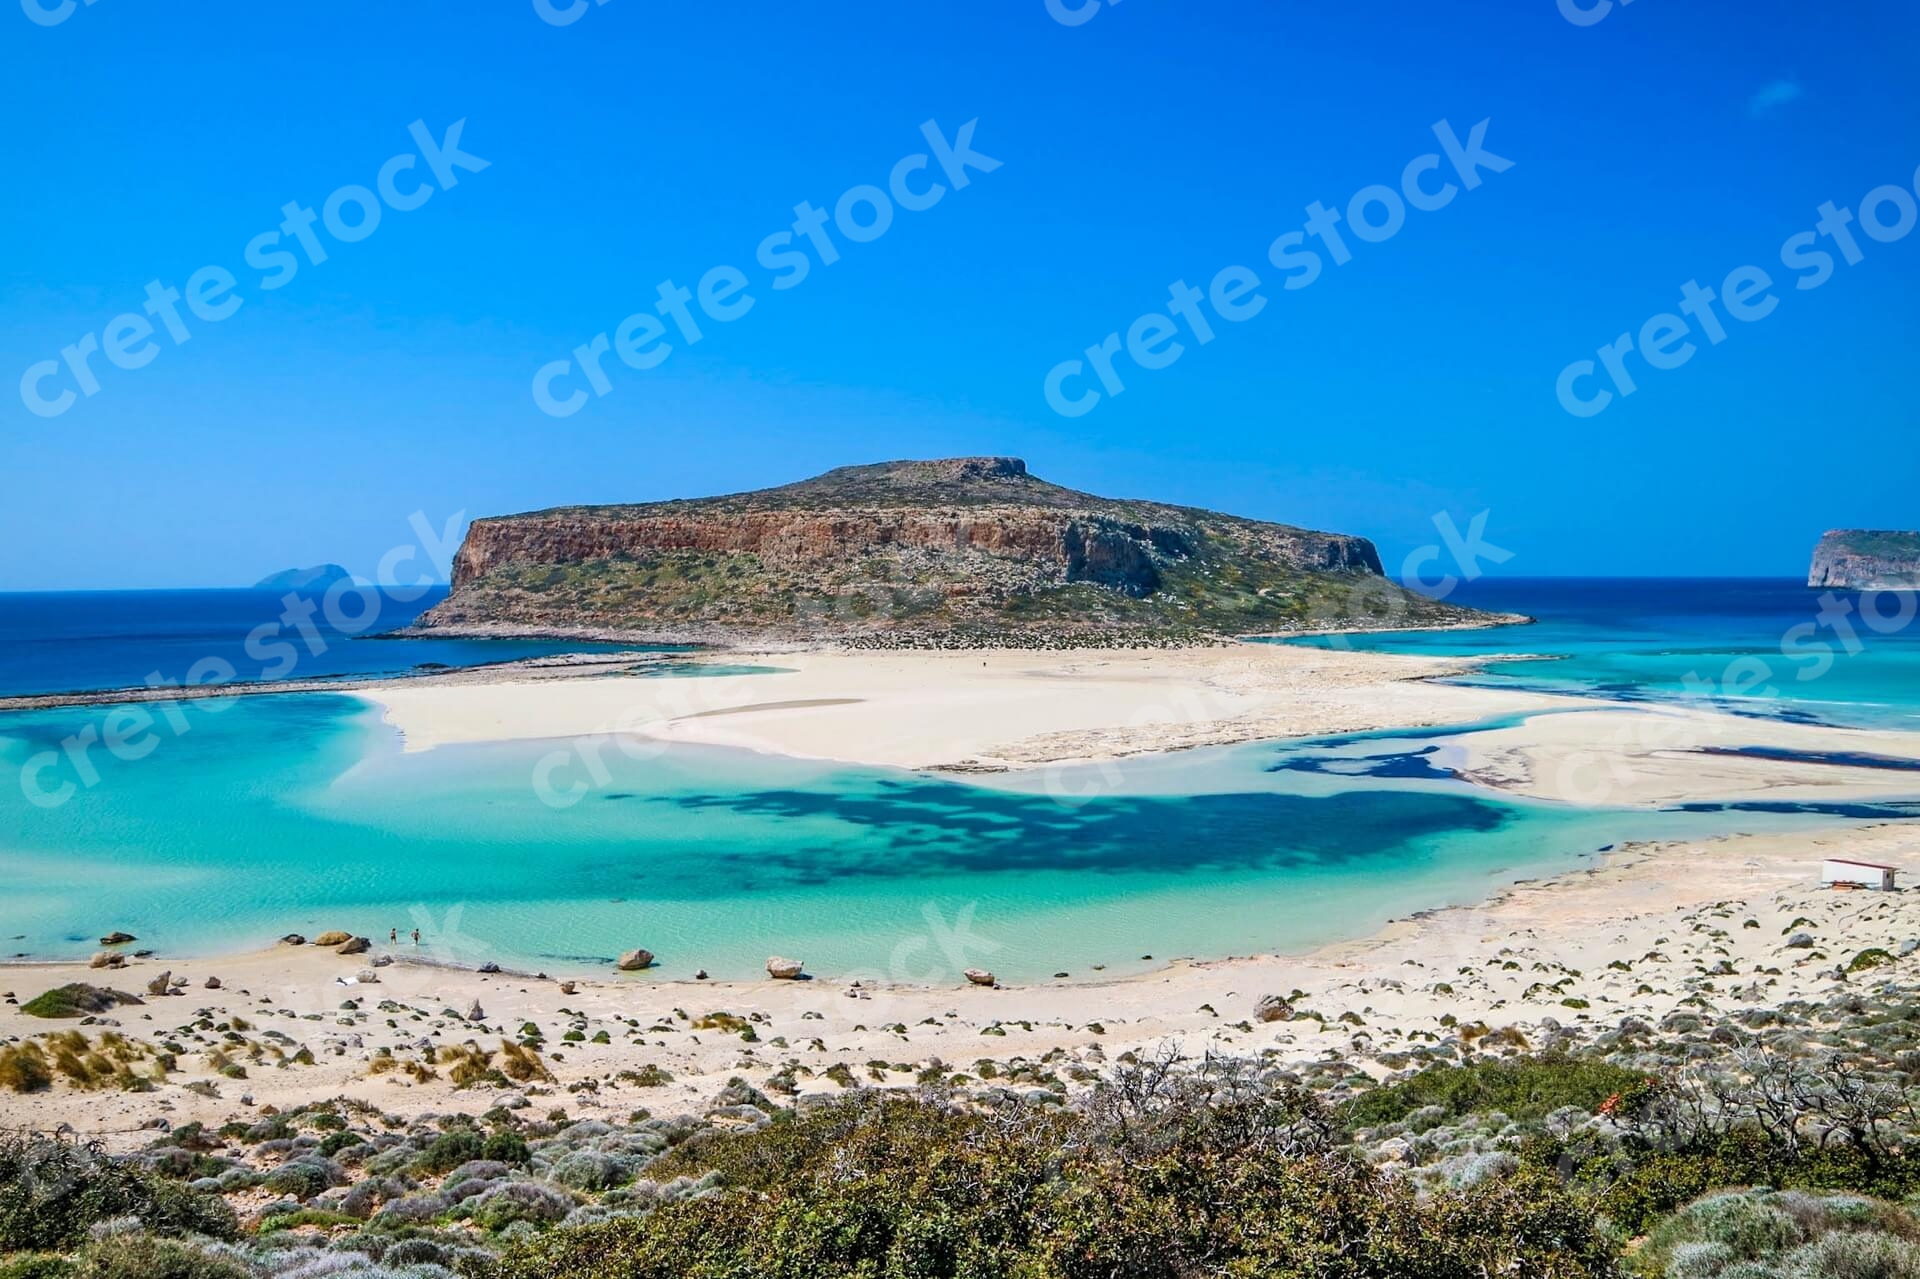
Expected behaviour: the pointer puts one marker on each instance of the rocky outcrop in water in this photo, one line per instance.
(1867, 560)
(959, 551)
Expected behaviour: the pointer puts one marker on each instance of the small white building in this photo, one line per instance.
(1839, 870)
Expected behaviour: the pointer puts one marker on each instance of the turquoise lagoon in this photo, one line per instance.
(300, 813)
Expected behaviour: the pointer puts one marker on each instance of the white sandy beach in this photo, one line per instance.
(918, 709)
(1008, 710)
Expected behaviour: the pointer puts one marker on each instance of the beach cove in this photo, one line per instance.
(1089, 812)
(1138, 845)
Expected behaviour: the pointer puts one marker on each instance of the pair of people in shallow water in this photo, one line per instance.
(393, 936)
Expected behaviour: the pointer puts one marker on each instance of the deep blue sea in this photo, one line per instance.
(71, 641)
(301, 813)
(1764, 646)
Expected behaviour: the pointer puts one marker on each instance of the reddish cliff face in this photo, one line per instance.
(1867, 560)
(1083, 548)
(967, 545)
(1087, 547)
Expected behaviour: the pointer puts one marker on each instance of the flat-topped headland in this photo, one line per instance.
(953, 553)
(1866, 560)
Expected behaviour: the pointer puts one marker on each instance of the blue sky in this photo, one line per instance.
(1156, 141)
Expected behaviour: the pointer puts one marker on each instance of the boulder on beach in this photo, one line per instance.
(213, 983)
(367, 977)
(355, 946)
(161, 985)
(293, 939)
(107, 959)
(569, 988)
(489, 967)
(979, 977)
(117, 939)
(333, 937)
(1273, 1008)
(635, 960)
(475, 1012)
(784, 969)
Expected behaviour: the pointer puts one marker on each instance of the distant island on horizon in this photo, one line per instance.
(955, 552)
(321, 577)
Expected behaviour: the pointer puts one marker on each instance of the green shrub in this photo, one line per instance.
(149, 1257)
(76, 1000)
(1743, 1223)
(507, 1148)
(648, 1076)
(302, 1181)
(1791, 1234)
(36, 1265)
(449, 1150)
(52, 1191)
(516, 1201)
(308, 1217)
(1847, 1255)
(887, 1186)
(1519, 1087)
(1699, 1261)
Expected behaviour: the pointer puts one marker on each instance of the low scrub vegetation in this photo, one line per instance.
(1778, 1146)
(1518, 1087)
(76, 1000)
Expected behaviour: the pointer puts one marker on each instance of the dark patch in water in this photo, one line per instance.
(1397, 765)
(922, 830)
(1777, 711)
(1841, 759)
(1890, 809)
(617, 794)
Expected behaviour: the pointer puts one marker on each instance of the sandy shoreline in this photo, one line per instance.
(1647, 933)
(1641, 934)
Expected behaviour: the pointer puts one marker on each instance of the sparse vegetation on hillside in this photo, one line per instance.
(1777, 1143)
(969, 552)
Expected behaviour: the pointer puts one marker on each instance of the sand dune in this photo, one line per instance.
(1010, 710)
